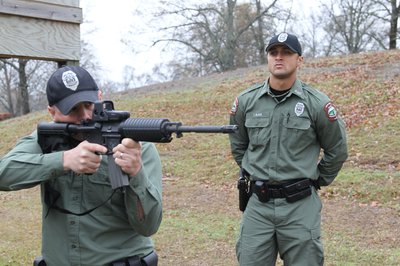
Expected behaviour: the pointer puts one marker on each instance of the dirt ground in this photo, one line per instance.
(366, 224)
(344, 222)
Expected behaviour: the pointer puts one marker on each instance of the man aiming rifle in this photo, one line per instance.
(107, 127)
(87, 219)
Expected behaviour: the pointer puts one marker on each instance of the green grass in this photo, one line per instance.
(365, 185)
(20, 227)
(201, 217)
(342, 250)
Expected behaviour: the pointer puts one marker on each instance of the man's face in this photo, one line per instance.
(283, 62)
(81, 112)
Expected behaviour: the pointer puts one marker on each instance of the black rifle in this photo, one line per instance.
(108, 127)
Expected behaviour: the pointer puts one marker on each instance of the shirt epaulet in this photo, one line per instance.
(318, 95)
(253, 88)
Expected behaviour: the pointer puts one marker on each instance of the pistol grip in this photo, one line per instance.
(117, 177)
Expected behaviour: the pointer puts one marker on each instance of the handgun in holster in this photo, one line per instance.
(243, 186)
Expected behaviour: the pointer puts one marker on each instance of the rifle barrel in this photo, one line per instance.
(207, 129)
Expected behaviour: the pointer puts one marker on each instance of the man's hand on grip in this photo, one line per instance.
(84, 158)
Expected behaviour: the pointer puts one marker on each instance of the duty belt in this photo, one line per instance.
(293, 190)
(149, 260)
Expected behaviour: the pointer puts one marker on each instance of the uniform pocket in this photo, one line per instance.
(297, 131)
(259, 130)
(297, 123)
(98, 191)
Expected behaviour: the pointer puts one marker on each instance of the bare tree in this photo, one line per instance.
(259, 33)
(388, 11)
(394, 18)
(352, 24)
(6, 96)
(311, 37)
(22, 95)
(257, 27)
(23, 84)
(38, 73)
(211, 32)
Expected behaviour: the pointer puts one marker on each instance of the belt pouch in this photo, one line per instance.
(297, 191)
(295, 187)
(150, 260)
(298, 195)
(261, 189)
(134, 261)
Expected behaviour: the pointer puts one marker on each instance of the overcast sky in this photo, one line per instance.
(111, 20)
(107, 24)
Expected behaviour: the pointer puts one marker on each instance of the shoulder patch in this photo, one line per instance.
(235, 106)
(330, 111)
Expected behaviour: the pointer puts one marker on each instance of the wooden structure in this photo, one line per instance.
(41, 29)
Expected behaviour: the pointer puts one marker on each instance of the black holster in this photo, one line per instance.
(243, 186)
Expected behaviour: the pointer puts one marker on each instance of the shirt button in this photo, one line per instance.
(73, 246)
(72, 222)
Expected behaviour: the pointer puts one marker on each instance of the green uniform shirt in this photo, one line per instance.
(282, 141)
(112, 231)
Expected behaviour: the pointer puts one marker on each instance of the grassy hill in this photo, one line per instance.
(361, 214)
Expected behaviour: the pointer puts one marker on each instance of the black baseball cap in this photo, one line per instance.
(70, 85)
(287, 39)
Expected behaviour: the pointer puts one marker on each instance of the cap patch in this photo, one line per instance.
(70, 80)
(235, 106)
(282, 37)
(330, 111)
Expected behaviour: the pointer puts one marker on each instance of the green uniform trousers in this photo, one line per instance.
(292, 230)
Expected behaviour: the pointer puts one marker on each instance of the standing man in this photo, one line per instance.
(84, 221)
(283, 126)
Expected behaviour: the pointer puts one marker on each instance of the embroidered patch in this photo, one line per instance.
(299, 108)
(235, 106)
(282, 37)
(330, 111)
(70, 80)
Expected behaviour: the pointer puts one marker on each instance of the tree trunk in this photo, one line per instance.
(23, 94)
(260, 35)
(394, 16)
(229, 54)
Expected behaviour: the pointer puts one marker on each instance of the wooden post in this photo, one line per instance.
(42, 30)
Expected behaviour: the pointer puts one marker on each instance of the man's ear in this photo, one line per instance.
(100, 94)
(300, 61)
(51, 110)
